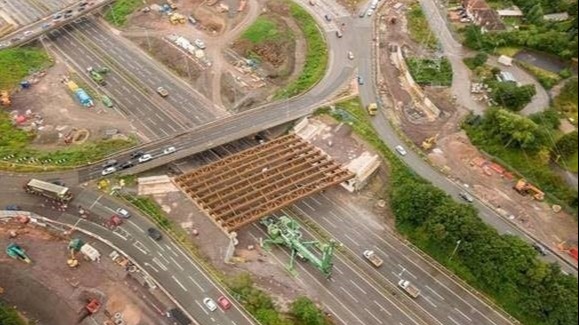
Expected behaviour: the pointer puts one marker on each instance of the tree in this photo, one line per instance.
(513, 129)
(535, 14)
(566, 145)
(511, 96)
(304, 310)
(413, 202)
(548, 118)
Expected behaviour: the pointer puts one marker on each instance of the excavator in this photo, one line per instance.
(5, 98)
(429, 142)
(18, 253)
(525, 188)
(74, 246)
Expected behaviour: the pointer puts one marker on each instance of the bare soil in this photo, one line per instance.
(54, 113)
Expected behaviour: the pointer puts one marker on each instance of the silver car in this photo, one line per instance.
(210, 304)
(400, 150)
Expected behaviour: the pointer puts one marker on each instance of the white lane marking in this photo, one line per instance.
(334, 214)
(434, 292)
(381, 251)
(123, 237)
(463, 314)
(178, 265)
(202, 308)
(357, 286)
(338, 269)
(382, 308)
(351, 239)
(151, 266)
(334, 315)
(429, 301)
(156, 261)
(314, 199)
(309, 206)
(163, 257)
(453, 320)
(373, 316)
(179, 283)
(171, 250)
(137, 246)
(136, 226)
(155, 242)
(95, 202)
(329, 222)
(197, 284)
(407, 272)
(349, 294)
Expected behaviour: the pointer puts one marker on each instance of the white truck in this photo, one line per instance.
(373, 258)
(410, 289)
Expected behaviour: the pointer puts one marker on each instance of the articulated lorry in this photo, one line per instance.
(49, 190)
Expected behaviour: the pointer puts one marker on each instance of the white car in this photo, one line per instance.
(350, 55)
(200, 44)
(210, 304)
(369, 12)
(400, 150)
(109, 170)
(146, 157)
(169, 150)
(123, 213)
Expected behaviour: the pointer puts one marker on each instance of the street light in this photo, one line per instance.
(455, 249)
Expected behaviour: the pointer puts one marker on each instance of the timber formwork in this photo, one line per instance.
(251, 184)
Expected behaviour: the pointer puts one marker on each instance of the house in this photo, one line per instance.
(505, 60)
(482, 15)
(512, 12)
(505, 76)
(560, 16)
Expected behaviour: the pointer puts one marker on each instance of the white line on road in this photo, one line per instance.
(463, 314)
(373, 316)
(329, 222)
(407, 272)
(163, 257)
(200, 306)
(429, 301)
(382, 308)
(357, 286)
(171, 250)
(384, 254)
(178, 265)
(95, 202)
(351, 239)
(309, 206)
(137, 245)
(136, 226)
(349, 294)
(434, 292)
(156, 261)
(155, 242)
(334, 315)
(453, 320)
(123, 237)
(339, 271)
(197, 284)
(314, 199)
(179, 283)
(151, 266)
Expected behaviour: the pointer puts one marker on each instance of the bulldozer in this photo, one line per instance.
(18, 253)
(5, 99)
(176, 18)
(526, 188)
(429, 142)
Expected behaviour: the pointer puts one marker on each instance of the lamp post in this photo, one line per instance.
(455, 249)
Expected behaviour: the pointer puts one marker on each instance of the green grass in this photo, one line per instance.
(571, 163)
(547, 79)
(262, 30)
(419, 29)
(566, 101)
(316, 56)
(15, 64)
(117, 13)
(9, 316)
(510, 51)
(428, 72)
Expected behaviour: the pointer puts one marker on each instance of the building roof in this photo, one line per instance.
(483, 15)
(514, 11)
(560, 16)
(506, 76)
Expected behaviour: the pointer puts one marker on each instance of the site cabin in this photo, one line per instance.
(49, 190)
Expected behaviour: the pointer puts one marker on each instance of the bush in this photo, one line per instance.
(511, 96)
(476, 61)
(306, 312)
(117, 12)
(547, 79)
(419, 29)
(427, 72)
(9, 316)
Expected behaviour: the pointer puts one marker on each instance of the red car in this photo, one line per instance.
(224, 303)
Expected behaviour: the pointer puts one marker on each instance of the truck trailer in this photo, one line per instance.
(49, 190)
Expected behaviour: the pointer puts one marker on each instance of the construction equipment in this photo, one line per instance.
(176, 18)
(80, 94)
(525, 188)
(172, 4)
(92, 307)
(5, 98)
(49, 190)
(429, 142)
(372, 109)
(74, 246)
(18, 253)
(96, 76)
(286, 231)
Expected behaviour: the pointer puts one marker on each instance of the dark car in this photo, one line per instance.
(360, 80)
(57, 182)
(154, 233)
(328, 18)
(67, 15)
(540, 249)
(127, 164)
(68, 11)
(13, 207)
(137, 154)
(110, 163)
(465, 196)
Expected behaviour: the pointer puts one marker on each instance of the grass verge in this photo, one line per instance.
(547, 79)
(571, 163)
(263, 29)
(419, 29)
(9, 316)
(316, 56)
(15, 64)
(510, 51)
(117, 13)
(566, 101)
(427, 72)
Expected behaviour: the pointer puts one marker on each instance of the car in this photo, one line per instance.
(540, 249)
(362, 14)
(369, 12)
(123, 213)
(28, 32)
(154, 233)
(210, 304)
(360, 80)
(192, 20)
(400, 149)
(110, 163)
(465, 196)
(224, 303)
(81, 9)
(169, 150)
(57, 16)
(200, 44)
(162, 92)
(57, 182)
(67, 15)
(127, 164)
(83, 3)
(68, 11)
(137, 154)
(12, 207)
(339, 34)
(45, 26)
(350, 55)
(109, 170)
(146, 157)
(327, 17)
(107, 101)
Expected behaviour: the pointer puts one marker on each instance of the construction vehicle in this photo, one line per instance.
(80, 94)
(526, 188)
(92, 307)
(410, 289)
(372, 109)
(113, 222)
(286, 231)
(107, 101)
(5, 98)
(429, 142)
(176, 18)
(172, 4)
(49, 190)
(373, 258)
(74, 247)
(96, 76)
(18, 253)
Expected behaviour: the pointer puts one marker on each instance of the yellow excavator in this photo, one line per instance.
(524, 188)
(429, 142)
(5, 98)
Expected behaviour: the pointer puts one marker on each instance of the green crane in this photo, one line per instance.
(17, 252)
(286, 231)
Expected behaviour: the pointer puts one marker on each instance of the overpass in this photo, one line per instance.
(31, 32)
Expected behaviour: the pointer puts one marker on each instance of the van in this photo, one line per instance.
(339, 34)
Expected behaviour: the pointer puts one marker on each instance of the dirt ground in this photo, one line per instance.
(49, 292)
(54, 112)
(535, 217)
